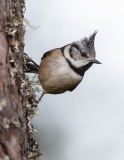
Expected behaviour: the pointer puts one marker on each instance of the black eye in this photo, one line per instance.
(84, 54)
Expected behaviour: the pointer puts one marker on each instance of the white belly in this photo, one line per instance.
(56, 76)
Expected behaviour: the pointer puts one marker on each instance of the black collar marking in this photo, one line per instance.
(81, 70)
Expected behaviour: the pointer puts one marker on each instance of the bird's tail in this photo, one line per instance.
(30, 65)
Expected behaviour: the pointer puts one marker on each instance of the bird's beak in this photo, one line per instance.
(96, 61)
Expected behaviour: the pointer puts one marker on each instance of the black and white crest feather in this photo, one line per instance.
(81, 54)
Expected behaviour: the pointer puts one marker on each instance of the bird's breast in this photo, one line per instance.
(55, 74)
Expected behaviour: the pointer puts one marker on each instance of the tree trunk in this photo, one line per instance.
(16, 140)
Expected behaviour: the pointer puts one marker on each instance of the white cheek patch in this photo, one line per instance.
(76, 64)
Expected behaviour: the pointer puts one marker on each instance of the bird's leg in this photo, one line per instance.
(40, 98)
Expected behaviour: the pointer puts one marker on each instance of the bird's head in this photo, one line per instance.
(84, 50)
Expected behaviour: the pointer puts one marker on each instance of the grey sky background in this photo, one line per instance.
(87, 123)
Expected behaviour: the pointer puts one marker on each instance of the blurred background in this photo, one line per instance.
(87, 123)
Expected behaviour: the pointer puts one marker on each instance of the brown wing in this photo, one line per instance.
(47, 54)
(50, 52)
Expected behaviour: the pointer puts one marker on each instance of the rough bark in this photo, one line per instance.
(14, 126)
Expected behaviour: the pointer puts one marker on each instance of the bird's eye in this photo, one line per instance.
(84, 54)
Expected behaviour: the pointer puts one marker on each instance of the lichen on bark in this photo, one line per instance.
(16, 101)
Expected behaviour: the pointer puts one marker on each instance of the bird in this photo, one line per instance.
(62, 69)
